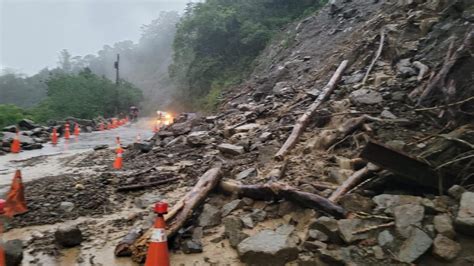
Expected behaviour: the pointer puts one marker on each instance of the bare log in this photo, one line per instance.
(146, 185)
(304, 119)
(377, 55)
(187, 205)
(351, 182)
(276, 191)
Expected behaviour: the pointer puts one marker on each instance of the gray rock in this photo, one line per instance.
(281, 87)
(27, 124)
(356, 203)
(406, 216)
(68, 236)
(385, 238)
(199, 138)
(267, 248)
(354, 78)
(328, 226)
(25, 140)
(314, 234)
(231, 206)
(365, 96)
(386, 202)
(231, 149)
(251, 172)
(191, 246)
(66, 206)
(101, 147)
(233, 230)
(34, 146)
(11, 129)
(347, 227)
(415, 246)
(465, 219)
(210, 216)
(247, 127)
(285, 229)
(258, 215)
(265, 136)
(388, 114)
(456, 191)
(444, 225)
(247, 221)
(445, 248)
(378, 252)
(13, 252)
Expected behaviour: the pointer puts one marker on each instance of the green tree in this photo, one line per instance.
(217, 41)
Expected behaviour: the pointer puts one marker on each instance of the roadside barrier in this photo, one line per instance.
(157, 254)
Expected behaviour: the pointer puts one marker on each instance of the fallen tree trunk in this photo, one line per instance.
(146, 185)
(351, 182)
(276, 191)
(304, 119)
(179, 215)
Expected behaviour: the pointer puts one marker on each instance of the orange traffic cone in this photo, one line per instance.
(157, 254)
(118, 163)
(76, 129)
(54, 136)
(155, 129)
(15, 147)
(16, 203)
(67, 131)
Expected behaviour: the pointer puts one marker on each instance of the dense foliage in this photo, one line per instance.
(85, 95)
(217, 41)
(10, 114)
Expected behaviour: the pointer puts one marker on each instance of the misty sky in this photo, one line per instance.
(32, 32)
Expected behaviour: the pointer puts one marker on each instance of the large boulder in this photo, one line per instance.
(231, 149)
(407, 216)
(27, 124)
(210, 216)
(199, 138)
(13, 252)
(415, 246)
(444, 225)
(445, 248)
(25, 140)
(465, 218)
(68, 236)
(233, 230)
(268, 248)
(11, 128)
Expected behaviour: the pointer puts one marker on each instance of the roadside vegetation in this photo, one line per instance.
(218, 40)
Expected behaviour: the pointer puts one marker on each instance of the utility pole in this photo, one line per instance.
(117, 83)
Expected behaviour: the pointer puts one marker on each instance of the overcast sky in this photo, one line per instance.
(32, 32)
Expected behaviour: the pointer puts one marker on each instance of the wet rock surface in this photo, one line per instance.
(68, 236)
